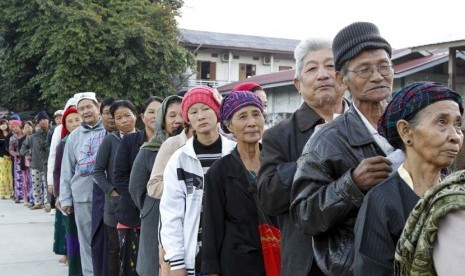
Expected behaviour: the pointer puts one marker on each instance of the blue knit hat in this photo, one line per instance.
(42, 115)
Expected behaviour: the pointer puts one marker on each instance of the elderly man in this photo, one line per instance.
(77, 181)
(347, 157)
(282, 145)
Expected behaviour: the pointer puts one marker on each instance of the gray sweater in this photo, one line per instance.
(103, 175)
(77, 167)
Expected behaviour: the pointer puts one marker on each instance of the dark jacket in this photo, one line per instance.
(103, 174)
(379, 225)
(325, 200)
(282, 146)
(126, 212)
(231, 240)
(37, 144)
(147, 257)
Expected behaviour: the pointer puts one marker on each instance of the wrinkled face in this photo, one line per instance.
(374, 88)
(58, 120)
(125, 120)
(150, 115)
(27, 130)
(247, 124)
(318, 78)
(437, 138)
(202, 118)
(107, 120)
(173, 117)
(89, 112)
(73, 121)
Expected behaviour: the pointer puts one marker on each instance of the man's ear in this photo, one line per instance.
(297, 85)
(341, 80)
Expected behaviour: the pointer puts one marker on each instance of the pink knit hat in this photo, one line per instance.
(201, 94)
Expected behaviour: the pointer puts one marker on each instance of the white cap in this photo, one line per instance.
(71, 102)
(85, 96)
(58, 113)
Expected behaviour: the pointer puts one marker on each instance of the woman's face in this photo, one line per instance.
(125, 120)
(16, 129)
(202, 118)
(150, 115)
(27, 130)
(73, 121)
(437, 137)
(173, 117)
(4, 126)
(247, 124)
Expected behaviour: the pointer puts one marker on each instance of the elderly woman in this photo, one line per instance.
(231, 238)
(424, 120)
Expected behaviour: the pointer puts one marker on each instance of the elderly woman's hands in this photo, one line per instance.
(371, 171)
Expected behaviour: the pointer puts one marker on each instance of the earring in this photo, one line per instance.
(409, 142)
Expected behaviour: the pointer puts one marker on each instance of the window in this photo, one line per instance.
(246, 71)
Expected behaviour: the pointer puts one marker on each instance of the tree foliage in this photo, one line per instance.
(51, 49)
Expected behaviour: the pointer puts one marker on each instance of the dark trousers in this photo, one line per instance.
(129, 246)
(112, 251)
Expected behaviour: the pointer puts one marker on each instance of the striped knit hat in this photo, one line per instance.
(235, 101)
(410, 100)
(201, 94)
(356, 38)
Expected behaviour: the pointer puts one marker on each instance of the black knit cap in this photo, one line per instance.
(355, 38)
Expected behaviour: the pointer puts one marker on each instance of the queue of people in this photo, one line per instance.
(343, 187)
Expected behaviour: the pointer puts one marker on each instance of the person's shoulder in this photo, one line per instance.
(386, 189)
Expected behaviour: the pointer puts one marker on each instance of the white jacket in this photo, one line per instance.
(181, 204)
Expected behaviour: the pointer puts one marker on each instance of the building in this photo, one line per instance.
(225, 58)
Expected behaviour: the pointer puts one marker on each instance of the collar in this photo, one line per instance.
(307, 118)
(357, 134)
(403, 173)
(365, 121)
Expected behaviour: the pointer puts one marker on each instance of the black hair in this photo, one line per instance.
(147, 102)
(106, 102)
(122, 103)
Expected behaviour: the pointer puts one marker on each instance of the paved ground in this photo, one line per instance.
(26, 239)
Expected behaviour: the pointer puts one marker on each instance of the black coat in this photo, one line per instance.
(126, 212)
(379, 225)
(230, 236)
(325, 199)
(282, 146)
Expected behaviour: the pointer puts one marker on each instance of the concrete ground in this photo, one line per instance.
(26, 240)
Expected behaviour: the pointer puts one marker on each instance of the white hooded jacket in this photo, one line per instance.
(181, 204)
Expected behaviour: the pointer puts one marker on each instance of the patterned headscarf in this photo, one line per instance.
(410, 100)
(235, 101)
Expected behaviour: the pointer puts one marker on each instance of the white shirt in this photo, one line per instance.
(380, 140)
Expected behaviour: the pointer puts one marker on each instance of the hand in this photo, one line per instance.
(114, 193)
(371, 171)
(57, 204)
(50, 189)
(68, 210)
(178, 272)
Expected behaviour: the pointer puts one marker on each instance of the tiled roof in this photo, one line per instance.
(238, 41)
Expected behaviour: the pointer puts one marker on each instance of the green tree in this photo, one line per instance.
(51, 49)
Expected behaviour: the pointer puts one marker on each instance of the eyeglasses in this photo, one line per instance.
(366, 71)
